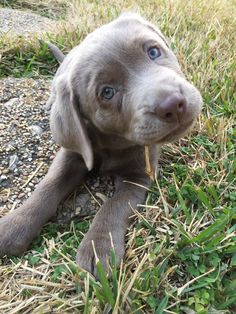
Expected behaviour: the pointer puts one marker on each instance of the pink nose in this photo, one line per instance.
(172, 108)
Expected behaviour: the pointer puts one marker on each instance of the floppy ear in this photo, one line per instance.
(67, 126)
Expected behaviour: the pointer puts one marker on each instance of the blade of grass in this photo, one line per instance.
(206, 234)
(103, 279)
(162, 306)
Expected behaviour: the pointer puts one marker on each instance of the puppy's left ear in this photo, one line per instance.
(67, 126)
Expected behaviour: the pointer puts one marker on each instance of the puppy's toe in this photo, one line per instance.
(85, 261)
(86, 257)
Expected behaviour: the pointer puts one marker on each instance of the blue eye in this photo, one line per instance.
(154, 53)
(108, 92)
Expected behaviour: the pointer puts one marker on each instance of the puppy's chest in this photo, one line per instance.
(122, 162)
(111, 162)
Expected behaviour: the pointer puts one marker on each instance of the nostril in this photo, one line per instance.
(168, 115)
(180, 107)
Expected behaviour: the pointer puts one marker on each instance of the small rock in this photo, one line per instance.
(36, 129)
(96, 184)
(2, 178)
(13, 162)
(11, 102)
(78, 210)
(4, 199)
(82, 200)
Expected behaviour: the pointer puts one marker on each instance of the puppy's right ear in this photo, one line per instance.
(67, 126)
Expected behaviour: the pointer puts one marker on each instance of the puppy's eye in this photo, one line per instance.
(154, 53)
(108, 92)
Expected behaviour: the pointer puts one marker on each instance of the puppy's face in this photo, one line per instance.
(129, 83)
(125, 81)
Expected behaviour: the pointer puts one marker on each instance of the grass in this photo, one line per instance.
(181, 251)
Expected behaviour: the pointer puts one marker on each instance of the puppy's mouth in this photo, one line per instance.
(173, 135)
(177, 133)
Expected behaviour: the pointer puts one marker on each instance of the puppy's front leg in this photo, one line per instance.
(113, 218)
(21, 226)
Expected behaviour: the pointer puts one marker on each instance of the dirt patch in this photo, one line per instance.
(16, 22)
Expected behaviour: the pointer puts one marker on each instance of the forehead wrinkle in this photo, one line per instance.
(112, 71)
(120, 53)
(111, 63)
(118, 71)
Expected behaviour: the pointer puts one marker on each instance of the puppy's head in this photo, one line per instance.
(124, 79)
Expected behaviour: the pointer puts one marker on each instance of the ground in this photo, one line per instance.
(181, 249)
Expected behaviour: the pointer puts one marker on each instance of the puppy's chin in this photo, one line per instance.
(170, 137)
(180, 132)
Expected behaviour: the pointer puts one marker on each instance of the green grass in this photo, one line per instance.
(181, 251)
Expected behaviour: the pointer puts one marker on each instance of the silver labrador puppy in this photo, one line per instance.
(119, 90)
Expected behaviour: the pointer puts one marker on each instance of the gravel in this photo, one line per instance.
(22, 22)
(27, 149)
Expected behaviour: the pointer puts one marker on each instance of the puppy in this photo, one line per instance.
(120, 90)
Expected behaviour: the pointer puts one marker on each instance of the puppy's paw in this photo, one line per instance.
(101, 243)
(16, 234)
